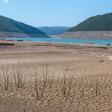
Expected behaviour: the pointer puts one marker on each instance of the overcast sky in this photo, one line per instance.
(53, 12)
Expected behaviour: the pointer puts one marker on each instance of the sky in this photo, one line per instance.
(53, 12)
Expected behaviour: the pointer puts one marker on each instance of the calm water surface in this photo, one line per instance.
(65, 41)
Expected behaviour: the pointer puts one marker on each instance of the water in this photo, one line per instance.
(65, 40)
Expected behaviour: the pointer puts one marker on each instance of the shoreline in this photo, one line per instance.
(55, 43)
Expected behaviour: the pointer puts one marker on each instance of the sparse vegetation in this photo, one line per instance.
(73, 94)
(5, 77)
(56, 81)
(6, 44)
(18, 76)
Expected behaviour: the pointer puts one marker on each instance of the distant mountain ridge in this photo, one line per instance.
(15, 28)
(55, 30)
(96, 23)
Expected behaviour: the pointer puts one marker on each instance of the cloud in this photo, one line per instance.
(6, 1)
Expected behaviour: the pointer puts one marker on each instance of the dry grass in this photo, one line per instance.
(65, 93)
(18, 76)
(56, 81)
(5, 77)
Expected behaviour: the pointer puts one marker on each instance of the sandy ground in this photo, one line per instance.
(77, 60)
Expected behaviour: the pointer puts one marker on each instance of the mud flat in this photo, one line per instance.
(45, 77)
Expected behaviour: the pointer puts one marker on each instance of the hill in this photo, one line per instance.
(55, 30)
(96, 23)
(97, 27)
(11, 28)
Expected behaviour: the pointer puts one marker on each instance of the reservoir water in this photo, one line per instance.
(65, 40)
